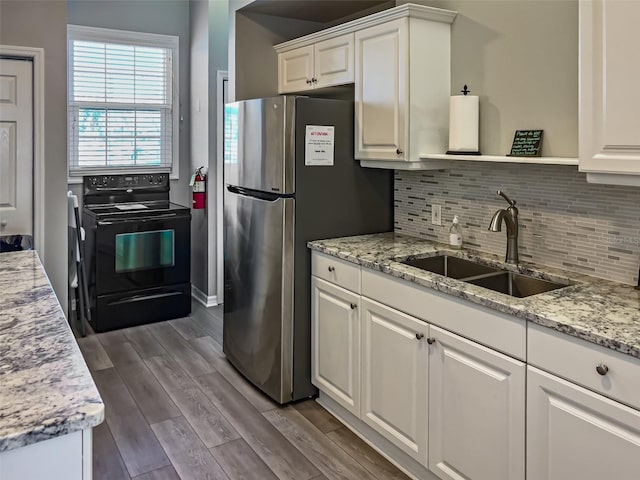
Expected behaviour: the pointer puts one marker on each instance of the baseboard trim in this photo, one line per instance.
(203, 298)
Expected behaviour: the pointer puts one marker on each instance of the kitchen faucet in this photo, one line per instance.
(510, 217)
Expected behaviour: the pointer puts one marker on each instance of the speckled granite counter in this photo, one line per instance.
(45, 387)
(599, 311)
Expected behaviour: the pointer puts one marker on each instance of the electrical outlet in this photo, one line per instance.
(436, 214)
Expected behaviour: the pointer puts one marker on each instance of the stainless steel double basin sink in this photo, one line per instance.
(492, 278)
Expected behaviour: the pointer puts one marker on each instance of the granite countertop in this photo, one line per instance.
(45, 387)
(599, 311)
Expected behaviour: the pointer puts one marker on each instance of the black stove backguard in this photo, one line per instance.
(138, 251)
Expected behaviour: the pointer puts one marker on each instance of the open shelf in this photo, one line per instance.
(504, 159)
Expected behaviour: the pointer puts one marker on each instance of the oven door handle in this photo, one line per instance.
(141, 298)
(142, 219)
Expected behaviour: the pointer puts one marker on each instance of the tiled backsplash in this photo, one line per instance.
(565, 222)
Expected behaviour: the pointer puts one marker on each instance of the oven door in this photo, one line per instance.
(140, 253)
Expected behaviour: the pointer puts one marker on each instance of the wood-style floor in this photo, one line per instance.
(176, 409)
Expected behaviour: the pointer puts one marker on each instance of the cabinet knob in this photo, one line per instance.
(399, 151)
(431, 340)
(314, 80)
(602, 369)
(331, 269)
(308, 82)
(419, 336)
(353, 306)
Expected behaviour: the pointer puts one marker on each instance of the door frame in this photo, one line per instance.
(221, 77)
(37, 57)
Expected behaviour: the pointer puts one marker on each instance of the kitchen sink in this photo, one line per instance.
(515, 284)
(492, 278)
(452, 267)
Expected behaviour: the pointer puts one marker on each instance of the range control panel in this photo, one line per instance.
(142, 180)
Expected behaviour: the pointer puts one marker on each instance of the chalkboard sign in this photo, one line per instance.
(526, 143)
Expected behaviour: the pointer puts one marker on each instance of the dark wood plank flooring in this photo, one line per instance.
(176, 409)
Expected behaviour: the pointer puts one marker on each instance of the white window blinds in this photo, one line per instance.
(121, 101)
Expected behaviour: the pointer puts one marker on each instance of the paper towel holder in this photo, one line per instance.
(464, 151)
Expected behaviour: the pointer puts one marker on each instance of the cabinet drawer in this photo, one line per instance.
(496, 330)
(576, 360)
(334, 270)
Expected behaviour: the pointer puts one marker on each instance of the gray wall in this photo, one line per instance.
(168, 17)
(521, 58)
(43, 24)
(200, 105)
(209, 43)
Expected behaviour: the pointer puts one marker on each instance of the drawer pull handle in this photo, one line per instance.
(602, 369)
(431, 340)
(398, 151)
(331, 269)
(419, 336)
(353, 306)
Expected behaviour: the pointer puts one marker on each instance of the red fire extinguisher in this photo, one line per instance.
(199, 192)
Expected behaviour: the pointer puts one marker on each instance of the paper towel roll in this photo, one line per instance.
(464, 118)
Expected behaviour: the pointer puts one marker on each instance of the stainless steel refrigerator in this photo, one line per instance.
(274, 203)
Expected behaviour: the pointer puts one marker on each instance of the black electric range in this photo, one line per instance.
(138, 250)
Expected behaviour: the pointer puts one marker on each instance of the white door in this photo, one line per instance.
(333, 61)
(476, 411)
(609, 112)
(381, 90)
(16, 147)
(395, 377)
(575, 433)
(295, 70)
(335, 343)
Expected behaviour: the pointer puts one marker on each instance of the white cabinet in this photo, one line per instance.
(575, 433)
(322, 64)
(402, 88)
(476, 411)
(67, 457)
(395, 377)
(335, 343)
(609, 107)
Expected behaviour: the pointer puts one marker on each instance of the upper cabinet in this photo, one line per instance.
(609, 141)
(400, 63)
(323, 64)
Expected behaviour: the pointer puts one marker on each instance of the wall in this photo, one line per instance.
(521, 58)
(168, 17)
(200, 105)
(564, 221)
(42, 24)
(209, 43)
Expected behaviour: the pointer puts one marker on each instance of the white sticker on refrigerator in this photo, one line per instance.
(319, 145)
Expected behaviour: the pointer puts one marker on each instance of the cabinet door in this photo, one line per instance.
(476, 411)
(575, 433)
(335, 343)
(394, 377)
(333, 61)
(295, 70)
(609, 110)
(381, 91)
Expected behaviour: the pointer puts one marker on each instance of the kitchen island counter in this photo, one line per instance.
(46, 390)
(598, 311)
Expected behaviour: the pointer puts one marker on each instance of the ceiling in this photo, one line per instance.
(322, 11)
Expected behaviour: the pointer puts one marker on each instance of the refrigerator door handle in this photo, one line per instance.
(255, 194)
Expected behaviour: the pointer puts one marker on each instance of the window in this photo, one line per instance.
(122, 101)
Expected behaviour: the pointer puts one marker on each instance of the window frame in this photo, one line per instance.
(97, 34)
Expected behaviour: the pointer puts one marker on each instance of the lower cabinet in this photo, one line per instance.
(335, 343)
(575, 433)
(476, 411)
(395, 370)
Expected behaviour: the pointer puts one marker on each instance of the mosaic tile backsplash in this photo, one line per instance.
(565, 222)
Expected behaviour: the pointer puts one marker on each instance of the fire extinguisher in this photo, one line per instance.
(199, 192)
